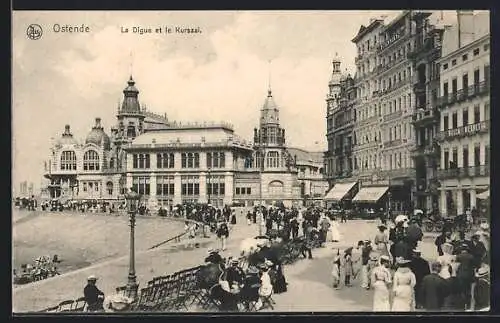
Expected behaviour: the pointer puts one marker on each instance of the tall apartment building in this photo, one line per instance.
(425, 120)
(340, 121)
(464, 104)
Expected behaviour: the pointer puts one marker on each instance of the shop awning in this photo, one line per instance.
(484, 195)
(339, 191)
(370, 194)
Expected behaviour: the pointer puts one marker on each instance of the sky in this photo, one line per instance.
(221, 74)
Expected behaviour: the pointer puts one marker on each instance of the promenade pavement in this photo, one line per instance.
(309, 290)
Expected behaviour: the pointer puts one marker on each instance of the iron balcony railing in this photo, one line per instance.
(392, 116)
(463, 94)
(468, 130)
(422, 115)
(464, 172)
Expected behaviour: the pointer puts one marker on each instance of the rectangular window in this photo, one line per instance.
(84, 186)
(135, 161)
(465, 117)
(249, 190)
(454, 120)
(446, 122)
(237, 191)
(477, 114)
(486, 47)
(465, 157)
(486, 111)
(464, 57)
(486, 155)
(476, 76)
(140, 184)
(445, 89)
(465, 81)
(209, 160)
(487, 74)
(477, 155)
(446, 159)
(454, 86)
(445, 66)
(453, 62)
(455, 157)
(476, 52)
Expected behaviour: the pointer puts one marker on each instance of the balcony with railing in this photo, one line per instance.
(465, 131)
(424, 115)
(399, 173)
(428, 149)
(463, 94)
(464, 172)
(392, 116)
(393, 143)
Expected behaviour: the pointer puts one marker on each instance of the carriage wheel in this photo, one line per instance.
(438, 226)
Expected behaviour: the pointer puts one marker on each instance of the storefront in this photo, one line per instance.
(341, 194)
(372, 197)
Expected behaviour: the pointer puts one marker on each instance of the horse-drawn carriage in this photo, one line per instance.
(439, 223)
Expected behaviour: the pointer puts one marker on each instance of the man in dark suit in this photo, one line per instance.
(477, 249)
(420, 267)
(93, 295)
(433, 289)
(465, 272)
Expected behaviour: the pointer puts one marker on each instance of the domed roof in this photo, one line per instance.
(97, 136)
(66, 137)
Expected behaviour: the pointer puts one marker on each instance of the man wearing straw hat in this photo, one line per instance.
(93, 295)
(481, 289)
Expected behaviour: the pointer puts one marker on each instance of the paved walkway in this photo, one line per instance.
(309, 288)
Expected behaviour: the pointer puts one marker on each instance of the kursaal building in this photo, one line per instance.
(170, 163)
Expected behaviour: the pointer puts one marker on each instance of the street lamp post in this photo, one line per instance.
(132, 199)
(209, 184)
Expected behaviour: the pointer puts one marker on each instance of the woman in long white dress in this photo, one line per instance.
(381, 278)
(403, 287)
(381, 240)
(334, 230)
(446, 260)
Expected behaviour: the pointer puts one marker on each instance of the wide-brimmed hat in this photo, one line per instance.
(212, 251)
(417, 250)
(402, 261)
(234, 262)
(382, 227)
(252, 270)
(268, 262)
(92, 278)
(385, 258)
(262, 266)
(483, 271)
(484, 226)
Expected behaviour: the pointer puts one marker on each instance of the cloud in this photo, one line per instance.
(219, 75)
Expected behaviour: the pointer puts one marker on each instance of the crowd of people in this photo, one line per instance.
(42, 267)
(402, 280)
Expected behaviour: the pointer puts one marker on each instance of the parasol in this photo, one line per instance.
(401, 218)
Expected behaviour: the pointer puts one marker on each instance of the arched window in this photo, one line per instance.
(165, 160)
(91, 160)
(276, 188)
(68, 160)
(190, 160)
(109, 187)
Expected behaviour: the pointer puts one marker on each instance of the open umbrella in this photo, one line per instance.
(400, 218)
(418, 212)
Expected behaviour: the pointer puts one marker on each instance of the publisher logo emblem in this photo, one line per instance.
(34, 32)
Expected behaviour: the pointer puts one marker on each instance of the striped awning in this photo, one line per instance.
(370, 194)
(484, 195)
(339, 191)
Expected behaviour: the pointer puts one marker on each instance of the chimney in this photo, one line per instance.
(465, 19)
(66, 128)
(97, 123)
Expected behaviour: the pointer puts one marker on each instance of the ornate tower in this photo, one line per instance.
(130, 117)
(334, 85)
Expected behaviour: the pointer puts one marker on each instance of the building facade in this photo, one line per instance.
(425, 119)
(171, 163)
(95, 168)
(340, 122)
(464, 104)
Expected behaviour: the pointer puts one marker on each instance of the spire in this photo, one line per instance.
(130, 100)
(269, 91)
